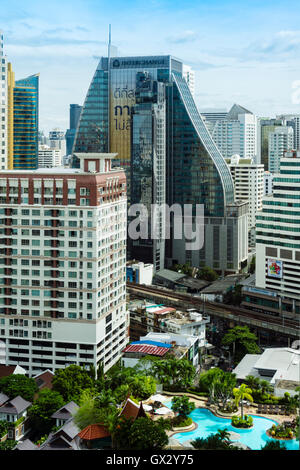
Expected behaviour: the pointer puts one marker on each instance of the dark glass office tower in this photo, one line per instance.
(26, 123)
(75, 110)
(121, 117)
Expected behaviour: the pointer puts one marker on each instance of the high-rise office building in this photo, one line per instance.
(75, 110)
(292, 120)
(281, 140)
(63, 265)
(3, 107)
(26, 123)
(268, 182)
(210, 117)
(49, 157)
(57, 140)
(277, 235)
(265, 127)
(196, 172)
(237, 133)
(248, 179)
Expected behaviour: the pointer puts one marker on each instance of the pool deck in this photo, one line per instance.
(202, 403)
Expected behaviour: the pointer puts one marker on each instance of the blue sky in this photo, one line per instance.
(244, 52)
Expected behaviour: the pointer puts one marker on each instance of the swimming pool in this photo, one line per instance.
(255, 438)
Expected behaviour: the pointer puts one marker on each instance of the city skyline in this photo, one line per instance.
(241, 54)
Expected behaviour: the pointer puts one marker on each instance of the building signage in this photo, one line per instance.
(275, 268)
(116, 63)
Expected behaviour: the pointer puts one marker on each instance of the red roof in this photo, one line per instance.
(146, 349)
(5, 371)
(93, 431)
(165, 310)
(132, 410)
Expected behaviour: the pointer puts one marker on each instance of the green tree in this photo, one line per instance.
(88, 413)
(252, 265)
(4, 425)
(224, 388)
(100, 380)
(183, 406)
(70, 382)
(47, 403)
(105, 400)
(209, 377)
(179, 373)
(234, 295)
(218, 441)
(274, 445)
(8, 444)
(207, 274)
(142, 386)
(18, 385)
(121, 393)
(252, 382)
(141, 434)
(240, 394)
(184, 268)
(242, 342)
(265, 387)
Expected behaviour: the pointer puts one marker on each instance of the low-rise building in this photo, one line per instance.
(279, 366)
(161, 344)
(139, 273)
(147, 318)
(15, 413)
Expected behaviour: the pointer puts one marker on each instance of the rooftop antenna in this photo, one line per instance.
(108, 94)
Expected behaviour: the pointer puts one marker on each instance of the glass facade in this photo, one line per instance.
(194, 171)
(26, 125)
(92, 130)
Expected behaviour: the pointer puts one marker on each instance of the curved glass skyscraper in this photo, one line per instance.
(142, 109)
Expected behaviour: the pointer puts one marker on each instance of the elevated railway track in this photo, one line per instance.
(287, 327)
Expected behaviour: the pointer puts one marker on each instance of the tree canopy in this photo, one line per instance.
(47, 403)
(18, 385)
(242, 341)
(182, 405)
(142, 434)
(71, 381)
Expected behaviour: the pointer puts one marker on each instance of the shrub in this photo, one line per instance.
(180, 422)
(281, 431)
(238, 422)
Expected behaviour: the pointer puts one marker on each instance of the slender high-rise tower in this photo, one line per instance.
(3, 106)
(26, 123)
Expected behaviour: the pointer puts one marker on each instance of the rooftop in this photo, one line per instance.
(93, 431)
(15, 406)
(284, 362)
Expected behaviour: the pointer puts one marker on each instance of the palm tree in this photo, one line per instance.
(240, 394)
(265, 387)
(224, 434)
(252, 382)
(110, 420)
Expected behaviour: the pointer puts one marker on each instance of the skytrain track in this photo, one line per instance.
(229, 312)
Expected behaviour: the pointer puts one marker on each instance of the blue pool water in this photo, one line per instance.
(255, 438)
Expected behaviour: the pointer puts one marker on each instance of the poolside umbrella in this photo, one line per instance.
(241, 445)
(158, 398)
(234, 436)
(162, 411)
(188, 444)
(147, 407)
